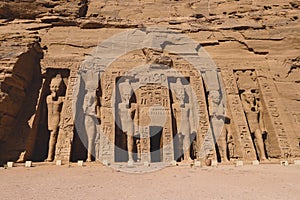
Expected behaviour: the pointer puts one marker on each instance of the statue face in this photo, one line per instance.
(54, 86)
(126, 97)
(180, 95)
(249, 97)
(215, 97)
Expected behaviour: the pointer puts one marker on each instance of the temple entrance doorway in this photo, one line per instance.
(156, 144)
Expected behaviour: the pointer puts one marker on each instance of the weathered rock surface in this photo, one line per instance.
(261, 35)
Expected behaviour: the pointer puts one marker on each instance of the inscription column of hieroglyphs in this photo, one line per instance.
(143, 120)
(204, 144)
(238, 117)
(285, 136)
(107, 118)
(168, 150)
(65, 135)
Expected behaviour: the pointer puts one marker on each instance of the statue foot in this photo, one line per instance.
(225, 161)
(88, 160)
(48, 160)
(187, 160)
(263, 160)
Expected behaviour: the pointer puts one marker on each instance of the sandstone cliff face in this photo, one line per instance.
(263, 35)
(32, 9)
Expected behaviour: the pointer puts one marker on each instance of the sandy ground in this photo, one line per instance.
(180, 182)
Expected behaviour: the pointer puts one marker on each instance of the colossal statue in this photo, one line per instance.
(91, 113)
(217, 116)
(90, 121)
(254, 117)
(126, 114)
(182, 112)
(54, 106)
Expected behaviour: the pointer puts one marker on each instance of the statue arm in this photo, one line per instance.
(61, 99)
(95, 106)
(245, 103)
(48, 99)
(136, 116)
(136, 109)
(98, 111)
(262, 121)
(174, 110)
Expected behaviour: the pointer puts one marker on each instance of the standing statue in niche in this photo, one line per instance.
(231, 146)
(91, 113)
(126, 114)
(179, 91)
(98, 112)
(217, 116)
(54, 106)
(90, 121)
(253, 114)
(182, 115)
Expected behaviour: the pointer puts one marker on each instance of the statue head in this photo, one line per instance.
(248, 96)
(179, 90)
(55, 83)
(152, 55)
(215, 96)
(178, 81)
(126, 91)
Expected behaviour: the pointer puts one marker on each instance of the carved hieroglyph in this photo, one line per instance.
(282, 141)
(66, 129)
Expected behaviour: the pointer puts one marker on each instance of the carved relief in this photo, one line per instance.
(283, 141)
(251, 103)
(240, 144)
(65, 137)
(204, 143)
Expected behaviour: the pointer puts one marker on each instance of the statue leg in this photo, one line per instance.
(138, 145)
(91, 133)
(223, 145)
(97, 146)
(260, 144)
(223, 150)
(130, 147)
(52, 143)
(186, 147)
(90, 148)
(179, 147)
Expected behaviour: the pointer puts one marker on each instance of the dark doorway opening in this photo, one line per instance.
(121, 152)
(156, 143)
